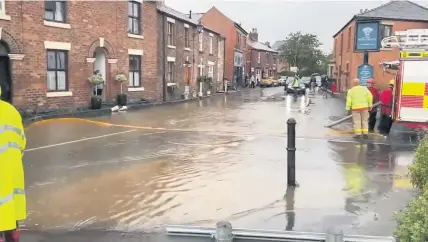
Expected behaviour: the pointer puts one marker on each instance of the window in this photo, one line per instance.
(170, 33)
(211, 71)
(238, 38)
(55, 11)
(57, 70)
(2, 9)
(134, 70)
(133, 17)
(385, 31)
(186, 38)
(244, 39)
(211, 44)
(170, 71)
(258, 58)
(349, 38)
(200, 41)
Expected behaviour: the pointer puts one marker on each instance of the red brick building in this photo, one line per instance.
(53, 47)
(235, 46)
(190, 50)
(392, 16)
(262, 60)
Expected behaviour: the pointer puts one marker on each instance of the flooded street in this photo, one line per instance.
(222, 158)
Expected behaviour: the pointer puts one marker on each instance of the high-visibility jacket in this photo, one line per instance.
(296, 83)
(358, 98)
(12, 143)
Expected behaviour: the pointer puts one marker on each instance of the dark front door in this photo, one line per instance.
(5, 79)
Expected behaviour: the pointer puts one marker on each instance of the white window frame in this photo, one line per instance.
(211, 71)
(171, 78)
(3, 15)
(258, 58)
(200, 42)
(211, 44)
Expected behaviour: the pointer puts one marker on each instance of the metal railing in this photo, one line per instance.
(225, 233)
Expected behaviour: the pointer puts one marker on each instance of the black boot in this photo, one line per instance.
(357, 136)
(365, 136)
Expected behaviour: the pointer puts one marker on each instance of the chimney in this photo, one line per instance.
(361, 10)
(254, 36)
(267, 43)
(190, 14)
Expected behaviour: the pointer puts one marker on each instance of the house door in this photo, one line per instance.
(187, 75)
(258, 75)
(5, 73)
(100, 65)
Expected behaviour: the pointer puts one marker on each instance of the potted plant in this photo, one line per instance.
(96, 79)
(121, 98)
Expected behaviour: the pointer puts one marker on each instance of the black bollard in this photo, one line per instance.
(291, 152)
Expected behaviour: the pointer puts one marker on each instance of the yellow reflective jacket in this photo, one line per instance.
(12, 143)
(296, 82)
(358, 98)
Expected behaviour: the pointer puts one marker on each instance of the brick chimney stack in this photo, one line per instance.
(268, 44)
(254, 36)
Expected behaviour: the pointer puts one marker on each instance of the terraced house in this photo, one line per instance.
(189, 51)
(53, 47)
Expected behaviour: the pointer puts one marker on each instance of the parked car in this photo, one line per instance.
(282, 81)
(289, 80)
(300, 90)
(266, 82)
(275, 82)
(306, 80)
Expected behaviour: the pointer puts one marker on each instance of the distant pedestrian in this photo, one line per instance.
(386, 99)
(253, 81)
(358, 102)
(12, 196)
(373, 112)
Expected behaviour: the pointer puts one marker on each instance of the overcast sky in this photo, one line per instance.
(275, 19)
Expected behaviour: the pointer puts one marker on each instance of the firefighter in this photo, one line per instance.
(359, 102)
(386, 99)
(12, 196)
(373, 112)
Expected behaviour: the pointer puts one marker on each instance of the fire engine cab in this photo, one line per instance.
(410, 103)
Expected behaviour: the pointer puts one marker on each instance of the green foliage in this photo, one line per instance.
(413, 222)
(419, 169)
(201, 78)
(303, 51)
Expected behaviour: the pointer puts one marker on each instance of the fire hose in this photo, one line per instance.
(346, 118)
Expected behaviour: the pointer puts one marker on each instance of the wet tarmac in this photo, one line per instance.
(222, 158)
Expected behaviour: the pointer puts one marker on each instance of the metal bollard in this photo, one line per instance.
(291, 152)
(223, 232)
(334, 235)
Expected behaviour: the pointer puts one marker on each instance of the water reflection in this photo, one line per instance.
(289, 208)
(368, 171)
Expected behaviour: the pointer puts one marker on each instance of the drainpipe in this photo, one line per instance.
(224, 59)
(163, 59)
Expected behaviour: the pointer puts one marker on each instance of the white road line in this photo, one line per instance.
(80, 140)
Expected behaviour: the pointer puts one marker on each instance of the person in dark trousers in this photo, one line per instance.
(373, 111)
(252, 81)
(386, 99)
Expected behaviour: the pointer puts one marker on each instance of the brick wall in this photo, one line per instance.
(266, 61)
(183, 57)
(221, 24)
(347, 61)
(89, 21)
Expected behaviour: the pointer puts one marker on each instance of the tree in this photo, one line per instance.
(303, 51)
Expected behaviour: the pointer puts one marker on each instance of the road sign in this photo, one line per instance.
(364, 73)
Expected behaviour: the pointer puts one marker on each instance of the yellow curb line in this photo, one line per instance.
(334, 131)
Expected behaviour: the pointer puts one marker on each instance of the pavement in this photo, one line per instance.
(124, 177)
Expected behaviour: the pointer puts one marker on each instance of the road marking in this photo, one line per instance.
(79, 140)
(67, 120)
